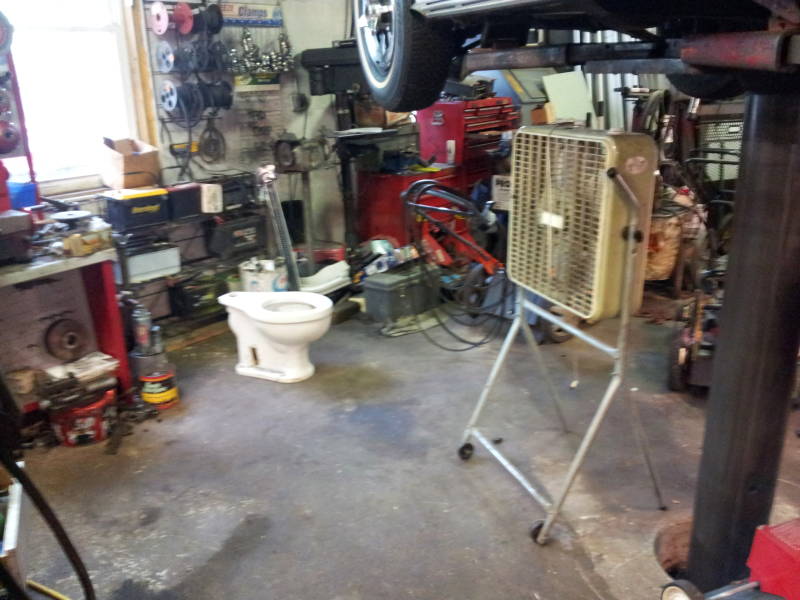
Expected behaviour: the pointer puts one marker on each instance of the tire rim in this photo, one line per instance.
(375, 25)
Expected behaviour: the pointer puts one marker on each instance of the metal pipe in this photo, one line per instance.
(555, 397)
(756, 353)
(580, 456)
(523, 481)
(577, 332)
(487, 388)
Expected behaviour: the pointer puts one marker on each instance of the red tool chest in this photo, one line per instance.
(775, 559)
(463, 131)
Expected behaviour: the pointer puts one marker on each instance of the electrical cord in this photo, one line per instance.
(45, 591)
(55, 526)
(410, 198)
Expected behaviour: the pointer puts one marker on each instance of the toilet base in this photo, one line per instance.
(293, 376)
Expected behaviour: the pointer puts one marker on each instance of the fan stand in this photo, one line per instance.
(619, 353)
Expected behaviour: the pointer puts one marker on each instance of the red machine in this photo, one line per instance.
(443, 225)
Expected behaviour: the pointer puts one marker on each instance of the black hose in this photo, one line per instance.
(11, 585)
(52, 522)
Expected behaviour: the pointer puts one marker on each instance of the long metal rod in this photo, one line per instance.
(576, 331)
(487, 388)
(537, 495)
(580, 456)
(555, 397)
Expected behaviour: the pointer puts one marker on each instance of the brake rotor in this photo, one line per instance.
(72, 218)
(5, 101)
(159, 18)
(165, 57)
(183, 18)
(9, 137)
(67, 339)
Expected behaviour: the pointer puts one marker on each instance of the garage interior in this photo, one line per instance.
(276, 327)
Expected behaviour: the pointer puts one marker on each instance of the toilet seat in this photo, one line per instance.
(282, 307)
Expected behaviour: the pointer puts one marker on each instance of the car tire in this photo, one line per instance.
(419, 52)
(708, 86)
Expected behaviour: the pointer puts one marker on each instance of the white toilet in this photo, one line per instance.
(274, 331)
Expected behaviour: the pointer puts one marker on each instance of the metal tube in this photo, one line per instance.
(487, 388)
(580, 456)
(733, 590)
(756, 352)
(577, 332)
(308, 221)
(523, 481)
(555, 398)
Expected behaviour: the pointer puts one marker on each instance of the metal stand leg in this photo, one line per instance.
(487, 389)
(644, 448)
(580, 456)
(555, 398)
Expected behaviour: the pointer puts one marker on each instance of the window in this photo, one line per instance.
(71, 61)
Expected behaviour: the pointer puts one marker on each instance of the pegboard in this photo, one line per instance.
(250, 127)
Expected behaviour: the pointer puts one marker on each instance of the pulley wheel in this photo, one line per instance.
(183, 18)
(67, 339)
(159, 18)
(5, 101)
(165, 57)
(169, 96)
(9, 137)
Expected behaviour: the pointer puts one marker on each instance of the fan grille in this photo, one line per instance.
(556, 217)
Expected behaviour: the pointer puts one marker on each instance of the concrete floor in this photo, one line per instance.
(347, 486)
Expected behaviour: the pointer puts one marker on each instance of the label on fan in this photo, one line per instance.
(551, 220)
(501, 192)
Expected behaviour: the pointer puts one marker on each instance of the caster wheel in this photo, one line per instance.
(466, 451)
(536, 529)
(680, 589)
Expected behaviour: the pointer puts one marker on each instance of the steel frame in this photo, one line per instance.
(618, 353)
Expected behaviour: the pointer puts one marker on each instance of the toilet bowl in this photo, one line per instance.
(274, 331)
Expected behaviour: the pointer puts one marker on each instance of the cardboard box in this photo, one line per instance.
(130, 164)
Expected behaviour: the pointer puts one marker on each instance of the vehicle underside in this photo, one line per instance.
(409, 49)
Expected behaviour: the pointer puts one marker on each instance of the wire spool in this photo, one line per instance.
(220, 56)
(165, 57)
(208, 20)
(212, 144)
(202, 56)
(159, 18)
(9, 137)
(186, 60)
(183, 18)
(217, 95)
(183, 102)
(67, 339)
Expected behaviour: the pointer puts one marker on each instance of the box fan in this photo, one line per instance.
(566, 240)
(580, 212)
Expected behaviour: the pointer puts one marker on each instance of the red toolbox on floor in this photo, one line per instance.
(775, 559)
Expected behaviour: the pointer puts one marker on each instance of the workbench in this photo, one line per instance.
(97, 274)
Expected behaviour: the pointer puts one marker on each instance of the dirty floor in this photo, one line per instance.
(348, 487)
